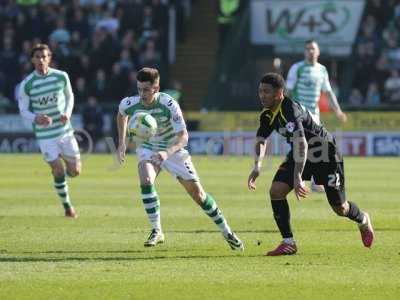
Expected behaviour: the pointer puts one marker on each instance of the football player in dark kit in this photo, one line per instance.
(313, 153)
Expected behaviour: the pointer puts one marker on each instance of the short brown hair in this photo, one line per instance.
(148, 74)
(40, 47)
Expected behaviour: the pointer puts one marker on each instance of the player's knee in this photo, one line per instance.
(74, 168)
(58, 171)
(276, 192)
(340, 210)
(146, 181)
(74, 172)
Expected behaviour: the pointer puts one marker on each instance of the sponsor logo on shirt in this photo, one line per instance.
(48, 99)
(177, 119)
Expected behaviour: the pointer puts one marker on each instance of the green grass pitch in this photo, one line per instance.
(101, 255)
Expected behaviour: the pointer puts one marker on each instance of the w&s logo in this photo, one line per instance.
(49, 99)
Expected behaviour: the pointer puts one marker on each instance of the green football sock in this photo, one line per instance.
(151, 204)
(211, 209)
(61, 186)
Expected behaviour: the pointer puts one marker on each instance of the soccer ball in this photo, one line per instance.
(142, 125)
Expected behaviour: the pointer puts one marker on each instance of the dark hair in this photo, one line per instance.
(148, 74)
(273, 79)
(40, 47)
(310, 42)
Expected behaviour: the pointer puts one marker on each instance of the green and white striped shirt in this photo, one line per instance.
(306, 82)
(51, 95)
(167, 113)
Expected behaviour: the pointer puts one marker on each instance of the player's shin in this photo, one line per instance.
(61, 186)
(355, 213)
(151, 204)
(210, 207)
(281, 213)
(364, 224)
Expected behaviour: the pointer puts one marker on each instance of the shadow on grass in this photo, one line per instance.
(210, 231)
(103, 259)
(149, 250)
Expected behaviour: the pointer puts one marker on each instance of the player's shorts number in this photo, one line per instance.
(333, 180)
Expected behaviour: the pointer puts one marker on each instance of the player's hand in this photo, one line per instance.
(300, 188)
(121, 152)
(43, 120)
(159, 157)
(251, 181)
(64, 118)
(341, 116)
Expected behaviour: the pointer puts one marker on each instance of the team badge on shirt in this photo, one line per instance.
(290, 126)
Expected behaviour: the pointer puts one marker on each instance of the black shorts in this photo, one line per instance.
(328, 174)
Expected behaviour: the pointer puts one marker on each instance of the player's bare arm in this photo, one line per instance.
(182, 138)
(121, 125)
(259, 149)
(300, 148)
(334, 104)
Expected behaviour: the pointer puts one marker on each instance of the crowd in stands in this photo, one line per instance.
(377, 52)
(100, 43)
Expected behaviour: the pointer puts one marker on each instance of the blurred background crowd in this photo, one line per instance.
(377, 55)
(102, 43)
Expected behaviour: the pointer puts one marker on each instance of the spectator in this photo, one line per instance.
(392, 87)
(8, 61)
(24, 31)
(77, 46)
(5, 103)
(150, 57)
(102, 47)
(81, 67)
(99, 85)
(25, 55)
(132, 15)
(79, 23)
(379, 9)
(80, 91)
(132, 84)
(117, 83)
(94, 16)
(160, 14)
(109, 23)
(147, 25)
(125, 61)
(129, 42)
(126, 31)
(366, 52)
(61, 34)
(356, 97)
(37, 24)
(381, 71)
(92, 116)
(373, 97)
